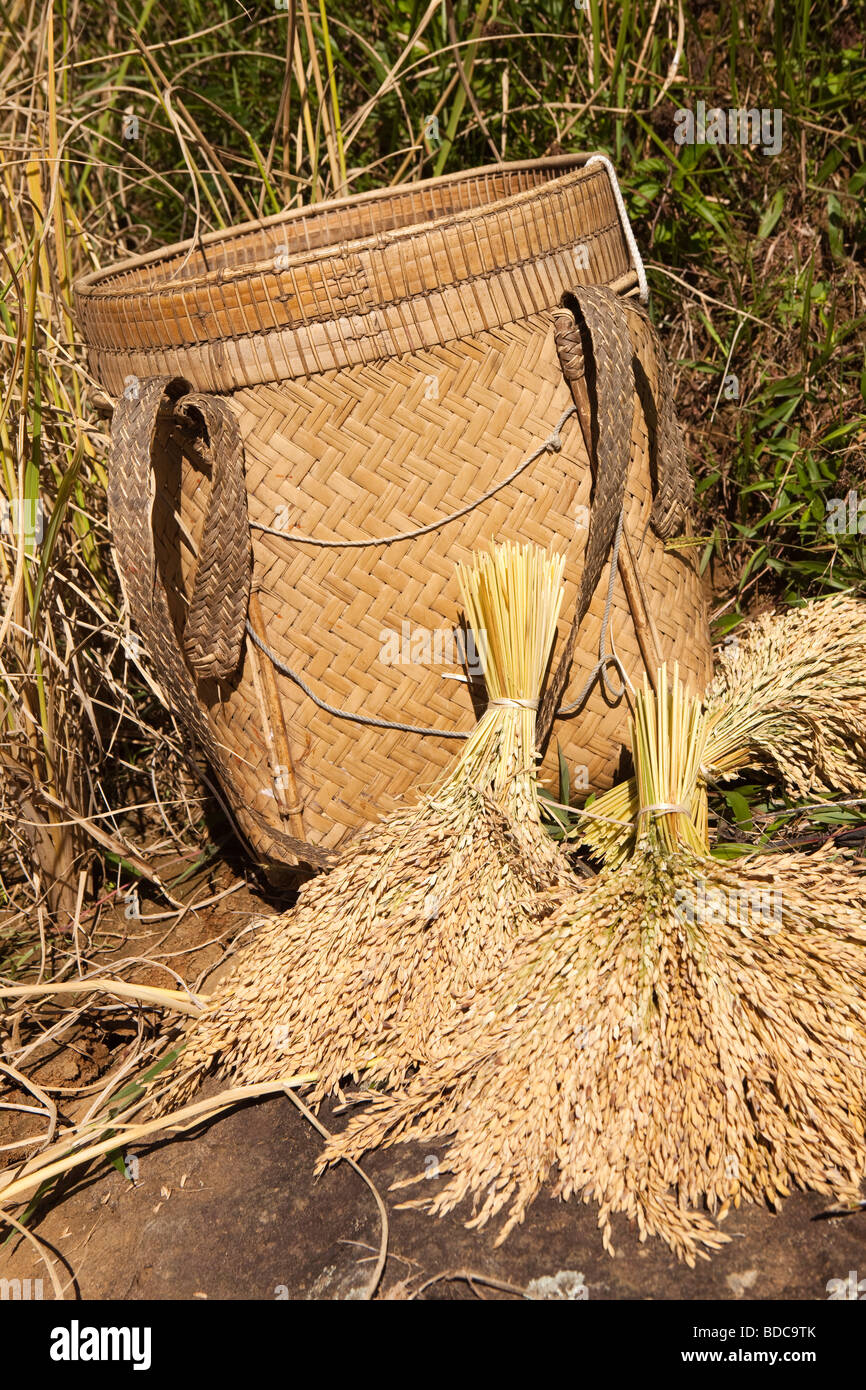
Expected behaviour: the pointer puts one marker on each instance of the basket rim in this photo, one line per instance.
(107, 282)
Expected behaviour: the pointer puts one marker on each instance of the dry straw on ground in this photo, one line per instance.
(790, 695)
(677, 1037)
(376, 955)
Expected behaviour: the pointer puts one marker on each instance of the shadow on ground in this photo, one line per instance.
(234, 1212)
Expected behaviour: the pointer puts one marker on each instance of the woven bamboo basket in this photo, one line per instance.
(318, 414)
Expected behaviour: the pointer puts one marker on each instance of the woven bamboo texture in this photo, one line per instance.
(385, 360)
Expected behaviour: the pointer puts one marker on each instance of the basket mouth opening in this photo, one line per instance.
(320, 229)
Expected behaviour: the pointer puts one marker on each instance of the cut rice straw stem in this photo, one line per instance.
(37, 1171)
(180, 1001)
(669, 736)
(44, 1167)
(42, 1253)
(512, 597)
(792, 697)
(190, 1115)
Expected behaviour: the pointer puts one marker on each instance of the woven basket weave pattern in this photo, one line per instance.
(362, 301)
(380, 444)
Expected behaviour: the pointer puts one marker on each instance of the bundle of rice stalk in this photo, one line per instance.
(377, 954)
(677, 1037)
(791, 695)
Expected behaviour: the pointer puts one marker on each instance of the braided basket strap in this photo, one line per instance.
(214, 631)
(674, 487)
(598, 323)
(222, 580)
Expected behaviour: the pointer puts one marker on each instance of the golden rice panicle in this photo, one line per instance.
(789, 693)
(376, 956)
(792, 692)
(678, 1038)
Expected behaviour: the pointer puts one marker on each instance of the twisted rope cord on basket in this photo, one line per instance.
(627, 232)
(600, 669)
(552, 445)
(286, 670)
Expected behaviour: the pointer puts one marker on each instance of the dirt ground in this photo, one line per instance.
(233, 1210)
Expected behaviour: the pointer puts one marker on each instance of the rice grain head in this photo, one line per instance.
(361, 974)
(678, 1037)
(793, 692)
(789, 695)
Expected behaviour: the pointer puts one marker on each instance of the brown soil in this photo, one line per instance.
(234, 1211)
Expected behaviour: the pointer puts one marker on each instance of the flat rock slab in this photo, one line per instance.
(234, 1212)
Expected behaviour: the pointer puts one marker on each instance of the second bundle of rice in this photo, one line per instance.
(675, 1038)
(789, 695)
